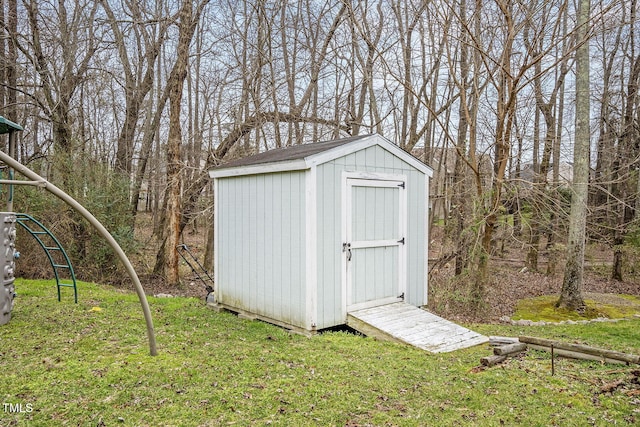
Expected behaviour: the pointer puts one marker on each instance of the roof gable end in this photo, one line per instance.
(300, 157)
(366, 142)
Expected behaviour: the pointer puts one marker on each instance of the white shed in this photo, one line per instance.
(305, 235)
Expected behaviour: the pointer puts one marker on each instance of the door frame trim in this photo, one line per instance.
(373, 178)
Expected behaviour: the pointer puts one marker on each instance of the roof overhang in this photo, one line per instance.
(7, 126)
(286, 166)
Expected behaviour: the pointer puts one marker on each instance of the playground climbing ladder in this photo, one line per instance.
(62, 268)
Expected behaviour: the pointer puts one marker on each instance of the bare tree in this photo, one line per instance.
(359, 101)
(547, 108)
(138, 72)
(95, 77)
(571, 293)
(167, 259)
(507, 83)
(624, 166)
(60, 79)
(10, 68)
(461, 206)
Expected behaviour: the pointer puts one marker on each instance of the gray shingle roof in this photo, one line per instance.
(294, 152)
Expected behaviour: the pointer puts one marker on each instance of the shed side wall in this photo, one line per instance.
(374, 159)
(261, 245)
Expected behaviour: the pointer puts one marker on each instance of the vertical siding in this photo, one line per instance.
(329, 177)
(261, 250)
(329, 292)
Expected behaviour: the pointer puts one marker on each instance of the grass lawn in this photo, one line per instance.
(88, 364)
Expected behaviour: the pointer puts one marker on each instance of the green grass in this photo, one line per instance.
(74, 365)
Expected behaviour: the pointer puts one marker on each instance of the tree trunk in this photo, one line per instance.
(12, 59)
(515, 203)
(153, 124)
(555, 217)
(624, 183)
(459, 198)
(506, 104)
(571, 293)
(3, 53)
(534, 228)
(209, 249)
(167, 259)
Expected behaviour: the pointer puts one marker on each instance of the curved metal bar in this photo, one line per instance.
(23, 170)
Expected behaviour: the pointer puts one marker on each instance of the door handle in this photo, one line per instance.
(346, 247)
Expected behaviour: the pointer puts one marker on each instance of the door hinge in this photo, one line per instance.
(401, 185)
(401, 241)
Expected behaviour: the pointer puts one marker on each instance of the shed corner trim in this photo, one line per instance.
(311, 231)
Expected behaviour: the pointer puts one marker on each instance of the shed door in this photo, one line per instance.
(375, 238)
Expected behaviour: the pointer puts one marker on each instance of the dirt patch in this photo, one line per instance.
(611, 299)
(144, 259)
(510, 283)
(191, 287)
(511, 286)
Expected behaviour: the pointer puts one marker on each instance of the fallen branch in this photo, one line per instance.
(498, 341)
(492, 360)
(509, 349)
(501, 353)
(575, 354)
(584, 350)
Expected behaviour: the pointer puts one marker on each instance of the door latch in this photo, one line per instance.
(346, 247)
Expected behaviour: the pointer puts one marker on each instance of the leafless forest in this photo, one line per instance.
(126, 104)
